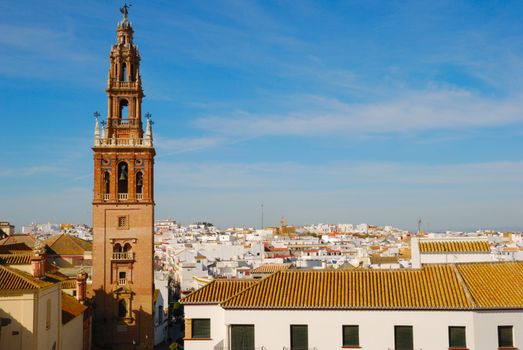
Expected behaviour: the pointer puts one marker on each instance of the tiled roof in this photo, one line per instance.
(70, 308)
(65, 244)
(12, 279)
(432, 287)
(15, 259)
(456, 246)
(217, 291)
(494, 285)
(28, 239)
(15, 248)
(384, 259)
(69, 284)
(271, 268)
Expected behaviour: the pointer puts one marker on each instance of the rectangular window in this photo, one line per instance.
(48, 314)
(122, 222)
(505, 337)
(201, 328)
(242, 337)
(457, 337)
(351, 336)
(299, 337)
(403, 339)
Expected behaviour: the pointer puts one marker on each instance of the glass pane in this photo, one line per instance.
(351, 336)
(242, 337)
(505, 336)
(201, 328)
(299, 337)
(457, 337)
(403, 338)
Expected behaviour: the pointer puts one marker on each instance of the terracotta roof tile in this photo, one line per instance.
(456, 246)
(15, 259)
(13, 279)
(15, 248)
(69, 284)
(217, 291)
(432, 287)
(28, 239)
(65, 244)
(494, 285)
(271, 268)
(70, 308)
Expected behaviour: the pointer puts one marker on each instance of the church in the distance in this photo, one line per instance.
(123, 207)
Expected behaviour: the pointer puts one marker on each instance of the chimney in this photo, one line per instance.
(81, 283)
(38, 260)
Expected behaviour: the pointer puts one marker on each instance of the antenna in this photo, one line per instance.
(262, 216)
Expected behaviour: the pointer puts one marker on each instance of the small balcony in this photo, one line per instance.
(139, 196)
(122, 281)
(105, 196)
(121, 142)
(123, 84)
(123, 123)
(123, 196)
(123, 256)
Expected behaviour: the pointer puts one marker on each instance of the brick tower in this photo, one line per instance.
(123, 207)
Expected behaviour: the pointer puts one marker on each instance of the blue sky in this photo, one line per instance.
(324, 111)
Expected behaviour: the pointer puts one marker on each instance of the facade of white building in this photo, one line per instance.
(371, 309)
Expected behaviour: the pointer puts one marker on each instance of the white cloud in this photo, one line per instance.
(169, 146)
(411, 112)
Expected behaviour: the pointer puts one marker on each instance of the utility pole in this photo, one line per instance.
(262, 216)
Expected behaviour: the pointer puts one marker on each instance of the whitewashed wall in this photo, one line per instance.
(218, 329)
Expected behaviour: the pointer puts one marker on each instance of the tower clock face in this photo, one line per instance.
(106, 161)
(138, 162)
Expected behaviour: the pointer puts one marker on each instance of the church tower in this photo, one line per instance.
(123, 206)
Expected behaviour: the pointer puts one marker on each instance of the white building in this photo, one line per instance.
(440, 306)
(449, 250)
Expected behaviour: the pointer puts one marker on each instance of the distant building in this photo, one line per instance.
(69, 253)
(6, 229)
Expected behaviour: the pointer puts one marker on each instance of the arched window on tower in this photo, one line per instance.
(133, 72)
(107, 184)
(123, 180)
(139, 184)
(124, 71)
(123, 108)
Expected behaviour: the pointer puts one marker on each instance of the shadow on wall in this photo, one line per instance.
(116, 326)
(13, 335)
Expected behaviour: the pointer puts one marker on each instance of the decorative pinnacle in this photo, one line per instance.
(96, 127)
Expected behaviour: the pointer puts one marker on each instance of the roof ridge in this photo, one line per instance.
(255, 284)
(196, 291)
(462, 281)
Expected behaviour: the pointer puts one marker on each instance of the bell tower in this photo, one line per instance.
(123, 206)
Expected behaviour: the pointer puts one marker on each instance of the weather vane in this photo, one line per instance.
(96, 114)
(125, 10)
